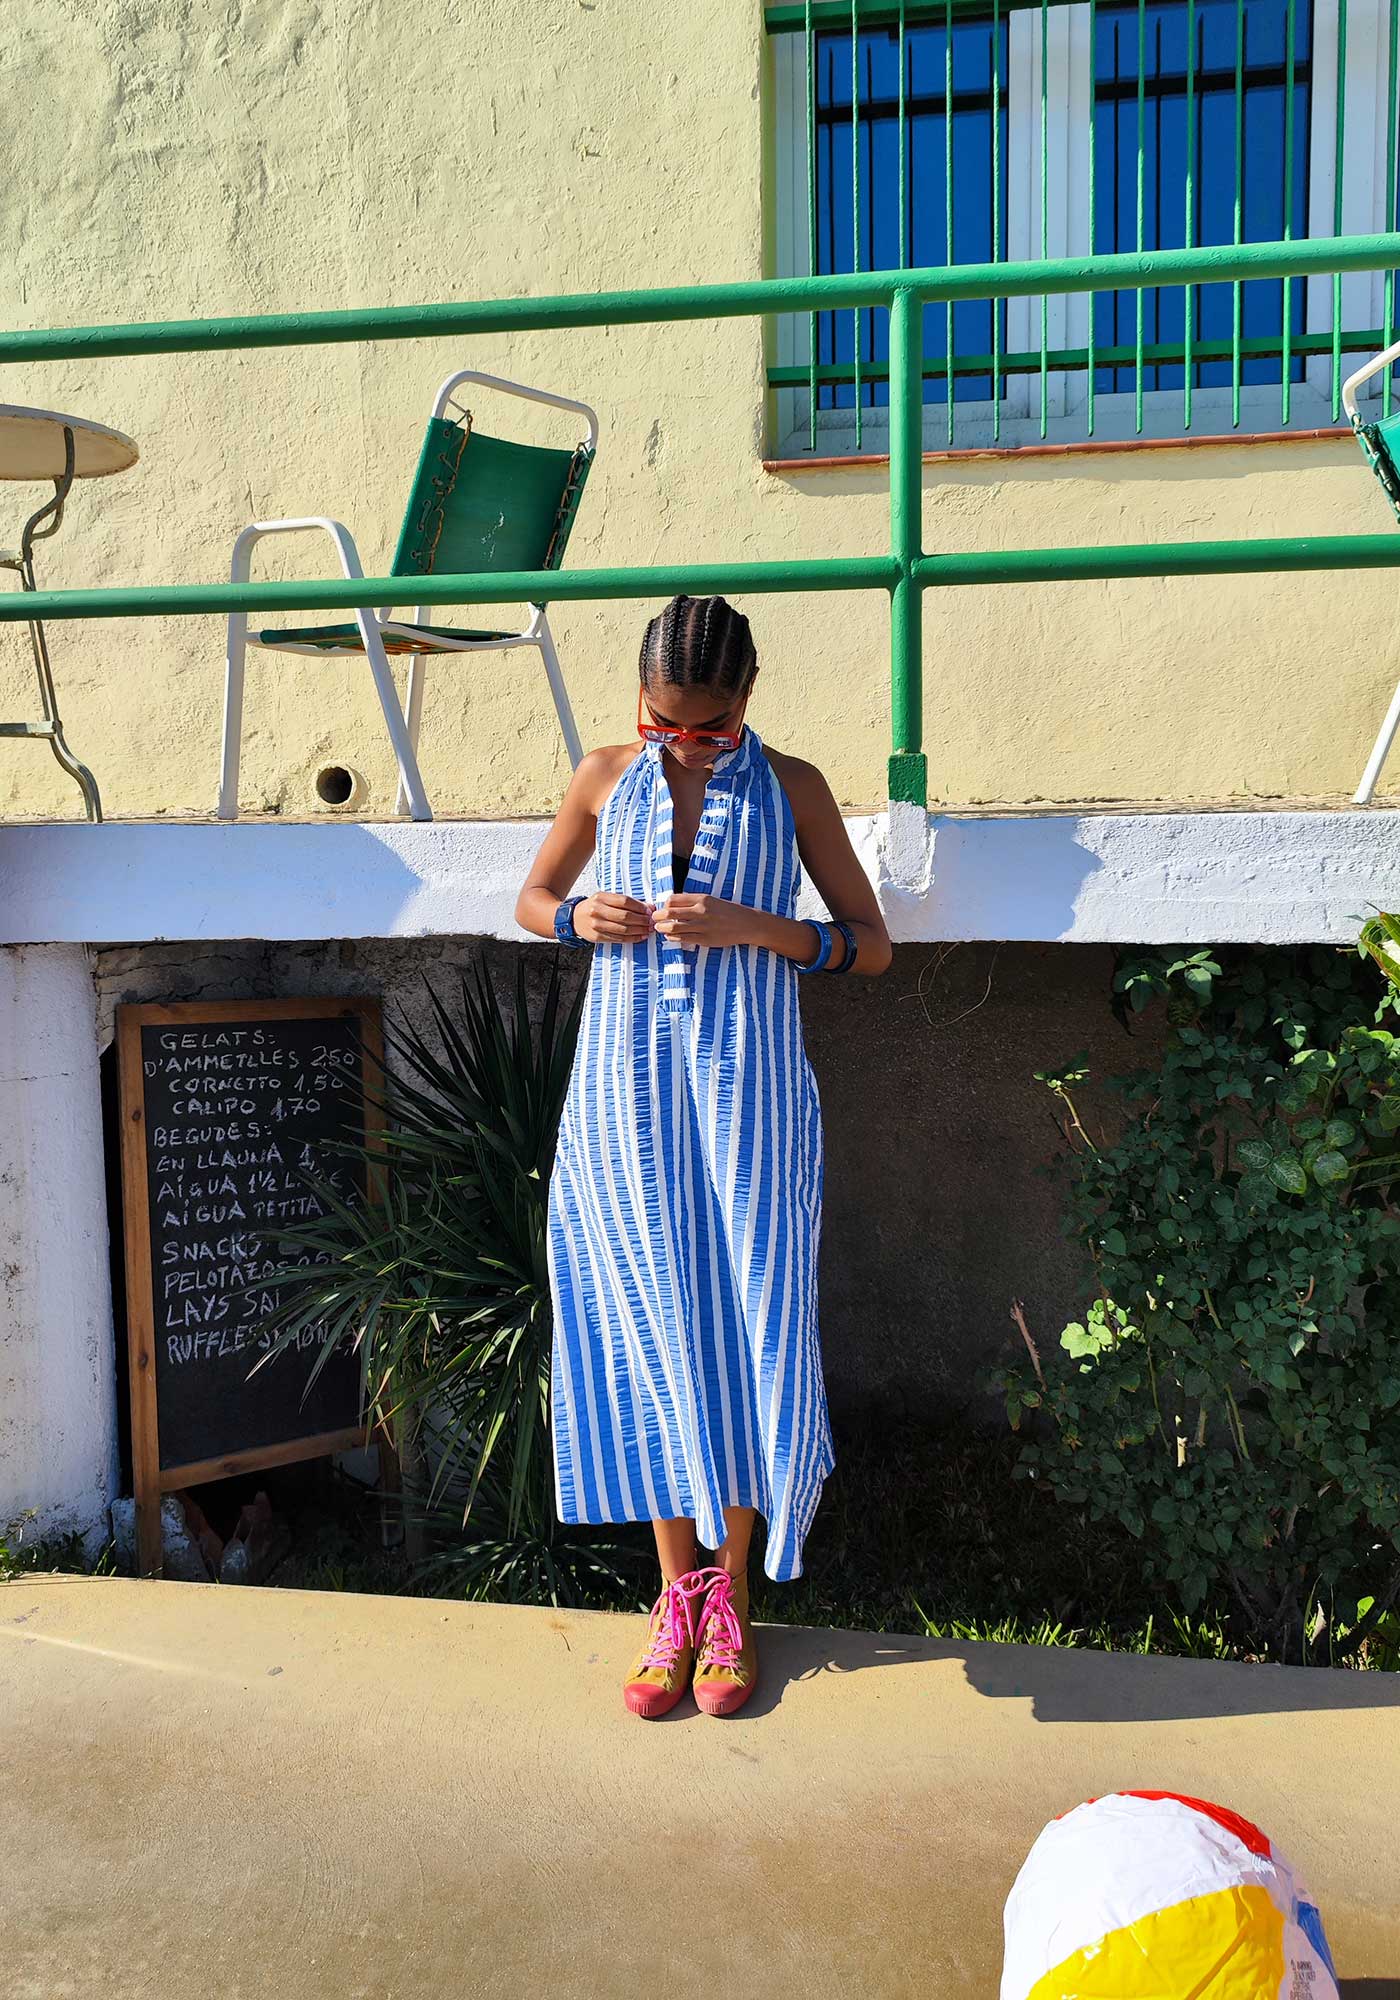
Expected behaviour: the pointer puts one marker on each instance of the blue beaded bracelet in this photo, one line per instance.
(851, 947)
(823, 932)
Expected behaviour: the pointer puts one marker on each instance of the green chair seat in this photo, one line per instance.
(346, 638)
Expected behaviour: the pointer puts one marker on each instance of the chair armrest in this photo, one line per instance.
(350, 563)
(319, 523)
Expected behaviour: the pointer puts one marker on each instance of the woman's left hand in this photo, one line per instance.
(695, 918)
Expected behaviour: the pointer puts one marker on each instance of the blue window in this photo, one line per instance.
(925, 206)
(1191, 131)
(1061, 129)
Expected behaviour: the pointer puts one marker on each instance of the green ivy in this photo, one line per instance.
(1231, 1396)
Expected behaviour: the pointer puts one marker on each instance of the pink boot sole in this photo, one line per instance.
(723, 1701)
(650, 1702)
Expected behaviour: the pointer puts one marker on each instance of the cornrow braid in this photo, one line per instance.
(699, 642)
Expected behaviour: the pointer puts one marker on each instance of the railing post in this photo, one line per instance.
(908, 771)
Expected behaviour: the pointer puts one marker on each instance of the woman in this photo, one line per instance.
(685, 1199)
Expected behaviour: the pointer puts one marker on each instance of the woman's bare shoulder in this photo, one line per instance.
(800, 780)
(600, 769)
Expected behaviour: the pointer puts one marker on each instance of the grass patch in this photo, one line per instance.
(927, 1531)
(23, 1553)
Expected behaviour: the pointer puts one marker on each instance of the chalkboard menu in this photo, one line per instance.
(226, 1106)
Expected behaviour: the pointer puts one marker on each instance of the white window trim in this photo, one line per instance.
(1068, 71)
(1365, 210)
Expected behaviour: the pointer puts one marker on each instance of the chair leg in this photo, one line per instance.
(561, 694)
(413, 716)
(1380, 752)
(233, 716)
(410, 782)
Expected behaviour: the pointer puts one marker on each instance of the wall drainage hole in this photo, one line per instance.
(335, 786)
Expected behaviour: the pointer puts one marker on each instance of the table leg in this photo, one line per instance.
(53, 723)
(37, 529)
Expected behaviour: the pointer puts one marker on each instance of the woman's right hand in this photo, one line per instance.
(608, 918)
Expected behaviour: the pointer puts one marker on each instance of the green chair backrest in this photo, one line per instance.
(1381, 444)
(482, 503)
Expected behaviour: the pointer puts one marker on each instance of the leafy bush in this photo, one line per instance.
(1233, 1393)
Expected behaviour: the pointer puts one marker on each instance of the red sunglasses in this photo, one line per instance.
(716, 739)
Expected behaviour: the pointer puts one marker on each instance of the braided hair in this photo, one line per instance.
(699, 642)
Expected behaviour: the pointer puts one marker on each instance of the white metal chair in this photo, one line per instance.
(478, 504)
(1380, 440)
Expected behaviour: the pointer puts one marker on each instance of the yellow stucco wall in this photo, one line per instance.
(214, 156)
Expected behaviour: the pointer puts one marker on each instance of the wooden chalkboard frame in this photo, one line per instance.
(150, 1480)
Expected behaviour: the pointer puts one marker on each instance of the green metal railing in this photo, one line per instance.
(905, 571)
(856, 144)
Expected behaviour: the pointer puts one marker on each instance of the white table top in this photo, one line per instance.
(31, 445)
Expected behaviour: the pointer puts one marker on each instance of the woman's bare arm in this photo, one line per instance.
(831, 862)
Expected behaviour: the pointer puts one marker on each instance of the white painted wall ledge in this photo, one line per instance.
(1075, 878)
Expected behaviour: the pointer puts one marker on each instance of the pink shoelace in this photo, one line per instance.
(673, 1616)
(721, 1637)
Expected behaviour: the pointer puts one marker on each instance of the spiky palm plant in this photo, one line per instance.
(441, 1284)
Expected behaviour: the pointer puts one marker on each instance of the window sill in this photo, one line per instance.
(1085, 448)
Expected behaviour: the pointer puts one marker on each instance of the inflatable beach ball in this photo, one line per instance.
(1147, 1896)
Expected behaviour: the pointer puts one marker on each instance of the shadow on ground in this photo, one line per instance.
(1065, 1685)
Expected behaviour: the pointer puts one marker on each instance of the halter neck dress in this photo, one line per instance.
(684, 1206)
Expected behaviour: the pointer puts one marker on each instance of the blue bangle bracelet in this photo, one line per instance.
(823, 932)
(851, 947)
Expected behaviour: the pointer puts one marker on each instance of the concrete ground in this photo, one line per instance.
(217, 1794)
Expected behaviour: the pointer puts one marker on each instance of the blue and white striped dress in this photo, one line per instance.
(685, 1199)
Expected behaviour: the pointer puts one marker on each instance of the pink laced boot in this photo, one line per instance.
(726, 1670)
(661, 1671)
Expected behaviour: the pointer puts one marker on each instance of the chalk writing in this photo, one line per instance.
(236, 1116)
